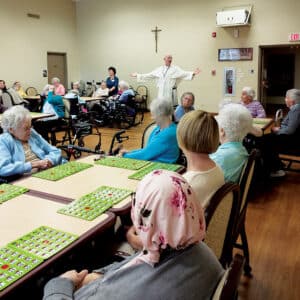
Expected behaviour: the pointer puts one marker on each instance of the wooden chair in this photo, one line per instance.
(146, 134)
(227, 286)
(142, 96)
(240, 229)
(220, 216)
(31, 91)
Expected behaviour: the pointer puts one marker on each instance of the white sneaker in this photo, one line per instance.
(278, 173)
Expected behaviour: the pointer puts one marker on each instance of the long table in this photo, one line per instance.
(25, 213)
(84, 182)
(36, 115)
(263, 123)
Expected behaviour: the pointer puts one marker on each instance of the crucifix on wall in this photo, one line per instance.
(156, 31)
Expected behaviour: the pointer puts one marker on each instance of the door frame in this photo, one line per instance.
(65, 66)
(261, 53)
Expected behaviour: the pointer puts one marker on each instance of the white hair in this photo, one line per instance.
(13, 117)
(55, 79)
(124, 85)
(236, 121)
(249, 91)
(161, 107)
(294, 94)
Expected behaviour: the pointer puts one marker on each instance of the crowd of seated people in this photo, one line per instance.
(22, 149)
(173, 253)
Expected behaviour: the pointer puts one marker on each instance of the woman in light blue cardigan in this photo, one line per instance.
(22, 149)
(162, 145)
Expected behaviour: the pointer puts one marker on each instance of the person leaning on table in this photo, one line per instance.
(22, 149)
(174, 263)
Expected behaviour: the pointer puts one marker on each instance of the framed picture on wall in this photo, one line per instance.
(229, 82)
(235, 54)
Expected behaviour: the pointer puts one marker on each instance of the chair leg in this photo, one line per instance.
(247, 268)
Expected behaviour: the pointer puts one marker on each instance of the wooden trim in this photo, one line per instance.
(48, 196)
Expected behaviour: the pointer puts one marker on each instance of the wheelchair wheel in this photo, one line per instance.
(77, 154)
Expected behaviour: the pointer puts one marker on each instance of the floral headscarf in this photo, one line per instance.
(165, 213)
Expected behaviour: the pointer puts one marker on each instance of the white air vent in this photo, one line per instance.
(233, 17)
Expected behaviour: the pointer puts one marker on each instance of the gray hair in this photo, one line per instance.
(55, 79)
(236, 121)
(13, 117)
(161, 107)
(188, 94)
(124, 85)
(249, 91)
(294, 94)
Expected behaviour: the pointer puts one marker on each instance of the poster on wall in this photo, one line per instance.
(229, 82)
(234, 54)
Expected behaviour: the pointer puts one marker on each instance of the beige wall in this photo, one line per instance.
(25, 41)
(119, 33)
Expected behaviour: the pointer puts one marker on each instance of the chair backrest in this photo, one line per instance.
(146, 134)
(246, 179)
(278, 116)
(142, 90)
(227, 286)
(31, 91)
(220, 215)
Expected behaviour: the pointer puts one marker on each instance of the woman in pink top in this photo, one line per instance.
(59, 89)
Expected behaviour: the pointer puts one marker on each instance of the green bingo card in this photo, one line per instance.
(62, 171)
(14, 264)
(92, 205)
(9, 191)
(122, 162)
(153, 166)
(44, 241)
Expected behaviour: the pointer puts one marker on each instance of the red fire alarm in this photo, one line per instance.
(214, 34)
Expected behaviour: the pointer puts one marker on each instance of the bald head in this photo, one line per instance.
(168, 59)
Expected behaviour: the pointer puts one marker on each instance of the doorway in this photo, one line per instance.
(57, 67)
(279, 72)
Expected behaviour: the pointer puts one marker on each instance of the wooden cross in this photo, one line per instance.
(156, 31)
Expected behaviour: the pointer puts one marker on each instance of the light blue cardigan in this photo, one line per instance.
(12, 156)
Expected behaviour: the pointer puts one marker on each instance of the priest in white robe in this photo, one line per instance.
(167, 78)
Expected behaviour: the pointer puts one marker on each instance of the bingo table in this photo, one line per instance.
(263, 123)
(33, 232)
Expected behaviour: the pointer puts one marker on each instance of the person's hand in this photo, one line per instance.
(133, 74)
(75, 277)
(122, 152)
(41, 164)
(90, 278)
(133, 239)
(275, 129)
(196, 72)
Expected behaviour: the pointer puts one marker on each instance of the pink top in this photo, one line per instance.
(60, 90)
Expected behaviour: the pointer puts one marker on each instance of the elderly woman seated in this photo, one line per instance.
(174, 263)
(187, 105)
(162, 144)
(54, 106)
(235, 122)
(59, 89)
(198, 136)
(22, 149)
(254, 106)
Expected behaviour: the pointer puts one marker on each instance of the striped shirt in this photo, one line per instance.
(255, 108)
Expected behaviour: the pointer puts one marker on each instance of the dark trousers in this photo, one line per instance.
(271, 145)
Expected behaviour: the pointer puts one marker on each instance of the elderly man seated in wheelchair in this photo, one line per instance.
(284, 138)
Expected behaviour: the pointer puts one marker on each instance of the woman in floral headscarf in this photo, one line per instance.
(174, 263)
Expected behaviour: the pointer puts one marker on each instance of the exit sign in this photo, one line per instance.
(294, 37)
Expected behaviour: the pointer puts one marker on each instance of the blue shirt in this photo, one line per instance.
(291, 123)
(57, 103)
(113, 83)
(231, 157)
(179, 112)
(12, 156)
(161, 147)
